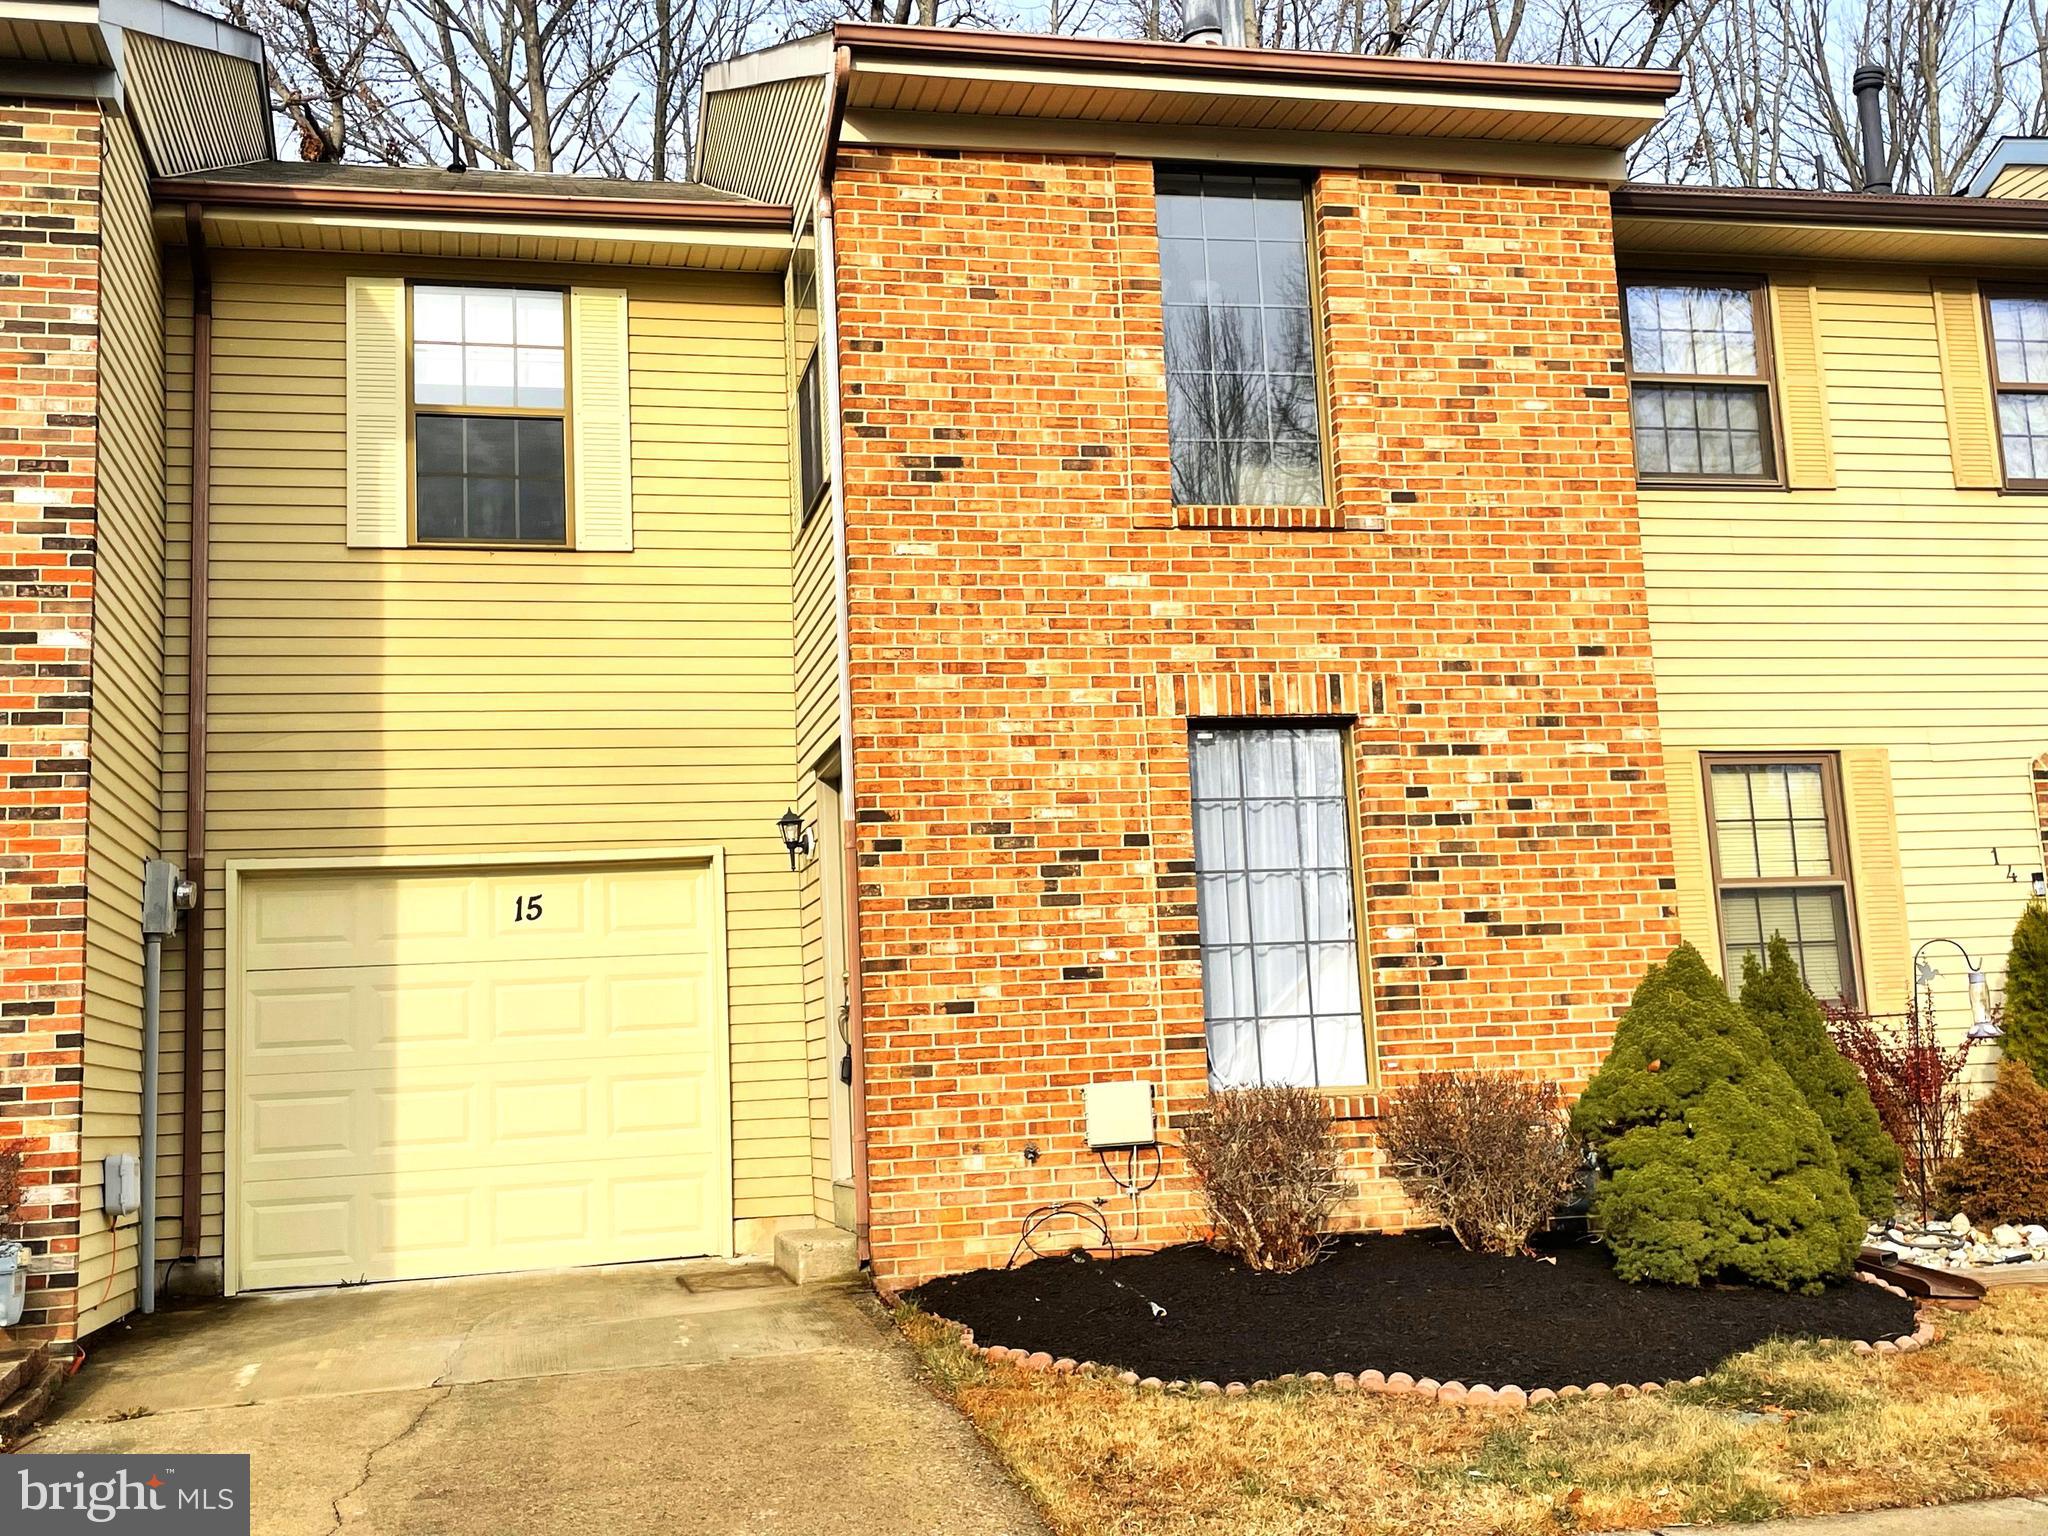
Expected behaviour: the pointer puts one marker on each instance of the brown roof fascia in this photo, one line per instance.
(943, 43)
(600, 210)
(1892, 211)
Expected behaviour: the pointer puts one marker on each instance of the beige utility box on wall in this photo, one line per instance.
(1119, 1114)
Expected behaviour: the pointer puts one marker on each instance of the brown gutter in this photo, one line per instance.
(489, 205)
(966, 45)
(192, 1126)
(835, 116)
(1748, 205)
(857, 1095)
(848, 830)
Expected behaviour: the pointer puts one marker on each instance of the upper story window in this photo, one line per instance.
(812, 468)
(807, 400)
(1781, 865)
(1243, 417)
(489, 415)
(1699, 378)
(2019, 372)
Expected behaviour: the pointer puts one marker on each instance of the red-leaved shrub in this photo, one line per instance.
(1916, 1083)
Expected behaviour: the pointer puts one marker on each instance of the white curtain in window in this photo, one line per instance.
(1280, 980)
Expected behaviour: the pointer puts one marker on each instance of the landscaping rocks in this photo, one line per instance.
(1953, 1243)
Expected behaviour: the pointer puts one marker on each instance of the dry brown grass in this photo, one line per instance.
(1784, 1429)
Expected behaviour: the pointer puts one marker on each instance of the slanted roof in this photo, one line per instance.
(482, 215)
(957, 87)
(381, 185)
(1750, 222)
(2017, 167)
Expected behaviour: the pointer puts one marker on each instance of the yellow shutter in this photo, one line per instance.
(601, 467)
(1802, 387)
(376, 413)
(1877, 878)
(1698, 923)
(1966, 385)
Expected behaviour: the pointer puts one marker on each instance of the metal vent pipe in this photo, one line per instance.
(1869, 84)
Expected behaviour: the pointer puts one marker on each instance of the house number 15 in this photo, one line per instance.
(526, 909)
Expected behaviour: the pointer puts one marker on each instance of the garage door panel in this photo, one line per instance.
(355, 1229)
(530, 1011)
(486, 1091)
(448, 1117)
(308, 922)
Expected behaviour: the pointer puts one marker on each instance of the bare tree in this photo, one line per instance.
(611, 85)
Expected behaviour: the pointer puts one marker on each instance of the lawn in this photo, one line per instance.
(1783, 1429)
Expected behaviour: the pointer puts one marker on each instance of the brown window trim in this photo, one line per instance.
(1341, 1095)
(1986, 292)
(1321, 516)
(1766, 376)
(1830, 765)
(414, 410)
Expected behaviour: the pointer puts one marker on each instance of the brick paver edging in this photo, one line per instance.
(1400, 1382)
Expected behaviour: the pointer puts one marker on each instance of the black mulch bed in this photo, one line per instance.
(1415, 1302)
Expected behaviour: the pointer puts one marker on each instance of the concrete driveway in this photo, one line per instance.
(689, 1397)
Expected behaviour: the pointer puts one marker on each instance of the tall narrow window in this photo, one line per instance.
(1274, 897)
(1781, 866)
(812, 468)
(489, 400)
(2019, 372)
(1242, 413)
(1699, 379)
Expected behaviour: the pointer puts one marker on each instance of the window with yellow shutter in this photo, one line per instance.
(1780, 854)
(2019, 376)
(1700, 380)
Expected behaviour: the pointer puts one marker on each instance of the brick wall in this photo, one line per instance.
(1032, 630)
(49, 274)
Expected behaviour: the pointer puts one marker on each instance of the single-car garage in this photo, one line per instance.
(449, 1070)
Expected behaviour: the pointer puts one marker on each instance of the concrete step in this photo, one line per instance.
(31, 1400)
(18, 1363)
(812, 1255)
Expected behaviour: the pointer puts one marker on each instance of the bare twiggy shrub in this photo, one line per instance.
(12, 1192)
(1487, 1154)
(1267, 1161)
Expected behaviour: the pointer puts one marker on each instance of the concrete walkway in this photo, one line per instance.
(701, 1397)
(1991, 1517)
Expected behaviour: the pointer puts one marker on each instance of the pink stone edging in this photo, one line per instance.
(1400, 1383)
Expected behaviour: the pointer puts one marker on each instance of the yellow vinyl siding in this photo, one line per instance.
(817, 728)
(125, 803)
(2020, 181)
(201, 110)
(488, 702)
(1894, 613)
(764, 140)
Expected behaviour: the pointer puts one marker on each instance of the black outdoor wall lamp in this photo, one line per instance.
(796, 837)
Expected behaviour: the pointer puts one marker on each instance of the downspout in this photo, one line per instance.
(192, 1137)
(849, 825)
(152, 1037)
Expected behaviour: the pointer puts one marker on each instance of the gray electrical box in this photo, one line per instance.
(165, 893)
(121, 1184)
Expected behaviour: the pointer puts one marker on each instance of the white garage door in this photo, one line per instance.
(444, 1073)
